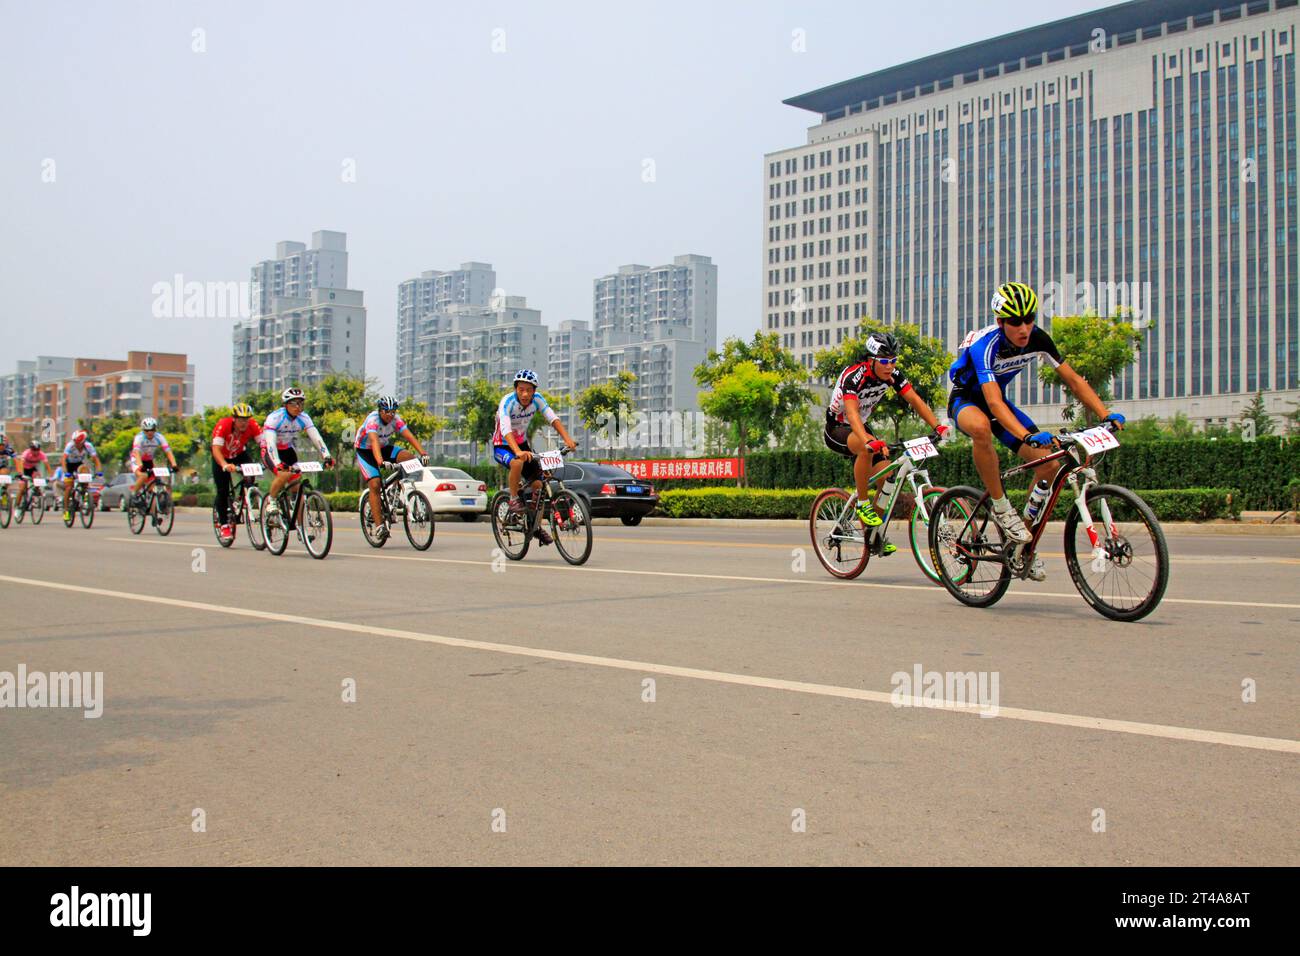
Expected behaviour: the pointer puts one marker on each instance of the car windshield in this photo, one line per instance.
(455, 474)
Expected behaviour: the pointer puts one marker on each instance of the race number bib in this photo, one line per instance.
(6, 479)
(252, 469)
(39, 482)
(411, 466)
(308, 467)
(85, 479)
(161, 472)
(919, 449)
(552, 460)
(1097, 439)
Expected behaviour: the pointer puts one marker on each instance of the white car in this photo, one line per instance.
(451, 491)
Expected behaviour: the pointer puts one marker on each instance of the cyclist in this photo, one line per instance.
(987, 360)
(7, 454)
(279, 432)
(32, 457)
(857, 392)
(375, 443)
(146, 444)
(75, 454)
(232, 438)
(510, 446)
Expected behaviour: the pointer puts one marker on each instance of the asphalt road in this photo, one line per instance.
(503, 716)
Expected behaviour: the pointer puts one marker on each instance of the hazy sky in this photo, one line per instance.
(168, 161)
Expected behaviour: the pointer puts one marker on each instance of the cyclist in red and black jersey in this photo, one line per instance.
(857, 392)
(230, 443)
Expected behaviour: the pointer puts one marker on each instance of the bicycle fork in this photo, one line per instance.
(1100, 555)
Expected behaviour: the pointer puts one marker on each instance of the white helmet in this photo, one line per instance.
(526, 375)
(149, 424)
(292, 395)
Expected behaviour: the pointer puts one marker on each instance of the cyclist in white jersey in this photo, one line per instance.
(75, 454)
(510, 439)
(147, 443)
(280, 431)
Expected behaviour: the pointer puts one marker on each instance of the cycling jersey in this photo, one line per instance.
(387, 434)
(858, 382)
(31, 459)
(514, 417)
(285, 427)
(7, 454)
(144, 446)
(987, 355)
(77, 455)
(230, 442)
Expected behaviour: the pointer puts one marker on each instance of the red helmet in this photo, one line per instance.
(78, 437)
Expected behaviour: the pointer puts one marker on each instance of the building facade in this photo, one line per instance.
(432, 294)
(306, 324)
(1140, 156)
(144, 383)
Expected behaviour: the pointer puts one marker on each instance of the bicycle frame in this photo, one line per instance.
(903, 469)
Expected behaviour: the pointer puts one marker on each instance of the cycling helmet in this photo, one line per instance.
(881, 345)
(292, 395)
(34, 445)
(526, 375)
(242, 411)
(1014, 300)
(149, 424)
(388, 404)
(78, 437)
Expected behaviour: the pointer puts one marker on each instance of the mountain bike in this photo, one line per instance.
(844, 544)
(81, 502)
(154, 504)
(1121, 570)
(298, 508)
(245, 508)
(32, 501)
(412, 504)
(566, 512)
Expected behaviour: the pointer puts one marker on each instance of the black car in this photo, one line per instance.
(610, 491)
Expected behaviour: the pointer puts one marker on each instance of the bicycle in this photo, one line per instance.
(309, 507)
(32, 501)
(567, 513)
(965, 539)
(155, 504)
(6, 501)
(245, 508)
(844, 544)
(416, 512)
(81, 502)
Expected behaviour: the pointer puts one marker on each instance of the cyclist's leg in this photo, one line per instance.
(69, 480)
(288, 456)
(221, 481)
(370, 474)
(975, 422)
(1044, 472)
(503, 456)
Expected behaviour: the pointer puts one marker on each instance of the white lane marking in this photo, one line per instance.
(1192, 734)
(815, 582)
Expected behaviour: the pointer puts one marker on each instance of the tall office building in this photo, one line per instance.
(306, 322)
(1143, 154)
(430, 295)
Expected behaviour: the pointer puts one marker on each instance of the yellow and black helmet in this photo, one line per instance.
(1015, 300)
(242, 411)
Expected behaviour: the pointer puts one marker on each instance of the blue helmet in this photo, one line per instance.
(526, 375)
(388, 404)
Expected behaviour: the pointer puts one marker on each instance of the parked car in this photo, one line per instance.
(610, 491)
(113, 496)
(452, 491)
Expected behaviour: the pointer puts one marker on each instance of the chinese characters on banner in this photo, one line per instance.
(682, 468)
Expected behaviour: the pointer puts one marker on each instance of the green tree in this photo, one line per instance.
(766, 354)
(802, 430)
(922, 359)
(263, 402)
(1257, 413)
(1143, 429)
(1180, 426)
(1292, 419)
(748, 399)
(560, 404)
(474, 417)
(608, 407)
(1096, 347)
(423, 423)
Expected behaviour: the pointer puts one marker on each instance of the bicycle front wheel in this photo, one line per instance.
(571, 528)
(1123, 573)
(839, 539)
(251, 518)
(87, 510)
(275, 530)
(6, 508)
(164, 512)
(966, 547)
(417, 519)
(38, 509)
(317, 524)
(918, 531)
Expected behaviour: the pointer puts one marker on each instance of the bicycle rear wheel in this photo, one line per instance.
(839, 540)
(966, 547)
(250, 517)
(510, 530)
(317, 524)
(570, 527)
(417, 519)
(1123, 575)
(368, 522)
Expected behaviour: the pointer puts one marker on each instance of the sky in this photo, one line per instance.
(555, 140)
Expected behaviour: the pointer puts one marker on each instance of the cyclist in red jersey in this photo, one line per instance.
(230, 443)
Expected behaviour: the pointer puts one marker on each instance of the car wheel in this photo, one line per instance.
(631, 520)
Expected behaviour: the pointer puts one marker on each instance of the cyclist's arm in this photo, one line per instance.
(99, 465)
(376, 449)
(1081, 390)
(218, 456)
(921, 408)
(316, 440)
(63, 462)
(1002, 412)
(853, 415)
(269, 444)
(564, 433)
(411, 440)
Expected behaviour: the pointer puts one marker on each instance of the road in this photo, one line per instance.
(691, 696)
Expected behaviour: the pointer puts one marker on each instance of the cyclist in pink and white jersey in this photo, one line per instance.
(146, 444)
(510, 440)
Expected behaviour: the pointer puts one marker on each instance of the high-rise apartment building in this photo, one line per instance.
(421, 299)
(306, 322)
(1141, 155)
(144, 383)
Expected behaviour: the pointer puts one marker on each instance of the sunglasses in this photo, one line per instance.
(888, 361)
(1017, 321)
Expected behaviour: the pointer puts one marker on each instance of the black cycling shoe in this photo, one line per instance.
(543, 537)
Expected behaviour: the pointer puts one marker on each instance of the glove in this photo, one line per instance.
(877, 446)
(1115, 417)
(281, 466)
(942, 431)
(1038, 439)
(329, 462)
(424, 460)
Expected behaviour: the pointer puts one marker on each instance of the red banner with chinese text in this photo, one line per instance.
(682, 468)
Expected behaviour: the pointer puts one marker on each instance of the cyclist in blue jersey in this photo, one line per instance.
(510, 439)
(376, 442)
(987, 360)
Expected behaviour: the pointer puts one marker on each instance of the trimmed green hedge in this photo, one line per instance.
(343, 500)
(1187, 504)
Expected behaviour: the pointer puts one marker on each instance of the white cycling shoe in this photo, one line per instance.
(1037, 570)
(1012, 525)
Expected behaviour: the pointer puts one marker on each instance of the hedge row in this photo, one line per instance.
(1188, 504)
